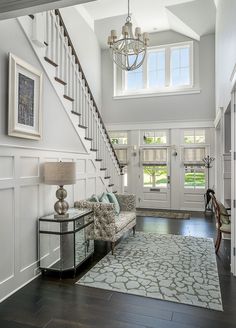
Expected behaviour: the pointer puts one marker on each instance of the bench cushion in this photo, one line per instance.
(226, 228)
(123, 219)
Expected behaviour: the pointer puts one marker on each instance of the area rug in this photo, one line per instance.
(163, 214)
(169, 267)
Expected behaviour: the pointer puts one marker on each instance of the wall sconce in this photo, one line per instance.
(134, 153)
(174, 153)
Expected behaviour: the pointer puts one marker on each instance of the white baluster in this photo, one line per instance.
(52, 37)
(70, 77)
(48, 33)
(57, 44)
(66, 59)
(80, 97)
(62, 54)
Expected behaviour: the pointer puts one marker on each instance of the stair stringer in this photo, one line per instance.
(26, 25)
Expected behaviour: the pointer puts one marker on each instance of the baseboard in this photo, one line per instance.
(18, 288)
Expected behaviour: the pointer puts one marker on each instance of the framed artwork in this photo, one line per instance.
(25, 100)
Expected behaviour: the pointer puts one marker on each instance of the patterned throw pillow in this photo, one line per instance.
(104, 198)
(224, 218)
(112, 198)
(94, 199)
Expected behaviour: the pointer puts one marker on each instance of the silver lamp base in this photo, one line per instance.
(61, 206)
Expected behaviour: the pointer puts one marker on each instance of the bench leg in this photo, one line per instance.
(113, 247)
(134, 229)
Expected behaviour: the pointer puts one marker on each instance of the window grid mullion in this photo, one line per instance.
(167, 67)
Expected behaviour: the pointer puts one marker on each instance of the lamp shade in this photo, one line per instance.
(59, 173)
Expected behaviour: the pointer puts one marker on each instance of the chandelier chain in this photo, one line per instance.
(128, 19)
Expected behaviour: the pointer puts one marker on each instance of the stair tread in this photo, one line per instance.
(76, 113)
(107, 177)
(111, 185)
(82, 126)
(50, 61)
(68, 98)
(87, 138)
(60, 81)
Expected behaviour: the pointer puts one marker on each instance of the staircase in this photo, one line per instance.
(51, 42)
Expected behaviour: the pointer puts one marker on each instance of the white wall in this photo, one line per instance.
(23, 196)
(88, 50)
(225, 51)
(191, 107)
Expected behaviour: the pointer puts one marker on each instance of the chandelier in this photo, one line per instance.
(129, 51)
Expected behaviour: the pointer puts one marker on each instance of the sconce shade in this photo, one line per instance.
(59, 173)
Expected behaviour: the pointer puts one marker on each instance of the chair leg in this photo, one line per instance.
(113, 247)
(134, 230)
(218, 241)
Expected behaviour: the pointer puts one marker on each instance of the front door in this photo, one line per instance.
(154, 177)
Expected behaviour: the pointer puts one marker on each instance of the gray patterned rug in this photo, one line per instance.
(169, 267)
(163, 214)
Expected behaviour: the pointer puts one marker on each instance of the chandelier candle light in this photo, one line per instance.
(129, 51)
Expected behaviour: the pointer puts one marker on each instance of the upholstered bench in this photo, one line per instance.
(108, 225)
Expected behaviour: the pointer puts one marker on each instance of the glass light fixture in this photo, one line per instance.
(129, 51)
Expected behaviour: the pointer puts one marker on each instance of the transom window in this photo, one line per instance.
(118, 138)
(154, 137)
(166, 68)
(194, 136)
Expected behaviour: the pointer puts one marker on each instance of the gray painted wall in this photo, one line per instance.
(191, 107)
(88, 50)
(58, 131)
(225, 51)
(23, 196)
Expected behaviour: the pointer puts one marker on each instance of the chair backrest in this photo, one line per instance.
(216, 208)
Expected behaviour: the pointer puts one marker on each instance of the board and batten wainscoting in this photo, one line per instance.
(24, 198)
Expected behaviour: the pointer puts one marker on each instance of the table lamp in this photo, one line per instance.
(60, 174)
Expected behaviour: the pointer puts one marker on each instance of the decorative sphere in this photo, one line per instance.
(61, 207)
(61, 193)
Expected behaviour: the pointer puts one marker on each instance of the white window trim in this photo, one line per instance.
(120, 93)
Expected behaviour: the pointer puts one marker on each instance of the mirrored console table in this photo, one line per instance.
(63, 242)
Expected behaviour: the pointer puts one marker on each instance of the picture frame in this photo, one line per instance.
(24, 100)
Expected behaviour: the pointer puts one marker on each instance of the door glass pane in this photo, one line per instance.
(125, 176)
(155, 176)
(194, 176)
(155, 156)
(194, 155)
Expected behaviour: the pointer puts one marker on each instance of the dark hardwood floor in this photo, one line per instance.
(53, 303)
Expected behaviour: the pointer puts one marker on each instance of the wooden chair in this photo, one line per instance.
(222, 218)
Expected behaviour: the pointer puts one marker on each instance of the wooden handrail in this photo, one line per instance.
(74, 53)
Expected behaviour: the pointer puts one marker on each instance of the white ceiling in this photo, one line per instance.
(15, 8)
(192, 18)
